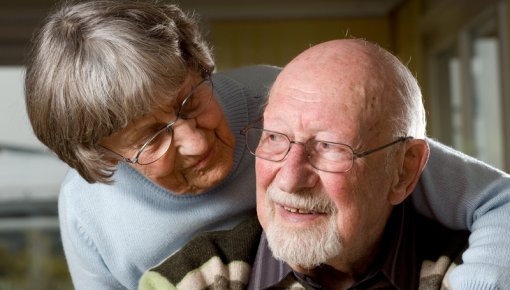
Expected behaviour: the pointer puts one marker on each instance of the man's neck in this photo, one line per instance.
(331, 277)
(343, 274)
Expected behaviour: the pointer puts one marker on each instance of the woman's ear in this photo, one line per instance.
(415, 156)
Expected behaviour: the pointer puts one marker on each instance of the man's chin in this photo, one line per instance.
(304, 248)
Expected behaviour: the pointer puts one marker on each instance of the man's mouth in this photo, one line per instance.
(299, 210)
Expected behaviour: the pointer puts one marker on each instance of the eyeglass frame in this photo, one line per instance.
(169, 125)
(355, 155)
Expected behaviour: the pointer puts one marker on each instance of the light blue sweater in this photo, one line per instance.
(113, 233)
(463, 193)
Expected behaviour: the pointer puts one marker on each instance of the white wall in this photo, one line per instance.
(14, 125)
(23, 175)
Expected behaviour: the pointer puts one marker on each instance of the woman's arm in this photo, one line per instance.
(464, 193)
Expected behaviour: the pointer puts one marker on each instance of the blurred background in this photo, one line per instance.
(458, 49)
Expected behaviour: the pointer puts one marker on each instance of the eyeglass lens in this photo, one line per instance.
(196, 101)
(274, 146)
(193, 105)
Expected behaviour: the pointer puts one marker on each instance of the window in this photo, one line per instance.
(467, 93)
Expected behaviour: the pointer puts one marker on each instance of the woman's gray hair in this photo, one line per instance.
(96, 66)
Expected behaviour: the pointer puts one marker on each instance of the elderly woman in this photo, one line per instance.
(125, 93)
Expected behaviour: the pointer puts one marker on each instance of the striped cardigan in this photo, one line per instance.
(223, 260)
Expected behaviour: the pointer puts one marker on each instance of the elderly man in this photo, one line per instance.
(334, 208)
(340, 148)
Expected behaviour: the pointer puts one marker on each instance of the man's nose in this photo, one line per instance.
(188, 139)
(296, 172)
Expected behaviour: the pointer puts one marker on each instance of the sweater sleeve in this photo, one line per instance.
(88, 271)
(464, 193)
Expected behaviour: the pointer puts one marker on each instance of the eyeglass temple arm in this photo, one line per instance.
(251, 124)
(401, 139)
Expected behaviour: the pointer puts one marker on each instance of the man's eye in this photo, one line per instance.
(272, 137)
(275, 138)
(325, 146)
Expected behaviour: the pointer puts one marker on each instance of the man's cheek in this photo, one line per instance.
(266, 172)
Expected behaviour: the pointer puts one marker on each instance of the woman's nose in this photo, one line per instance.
(188, 138)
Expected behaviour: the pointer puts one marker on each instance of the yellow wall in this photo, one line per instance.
(409, 43)
(407, 38)
(276, 42)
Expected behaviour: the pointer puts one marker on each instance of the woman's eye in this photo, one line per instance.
(138, 143)
(141, 140)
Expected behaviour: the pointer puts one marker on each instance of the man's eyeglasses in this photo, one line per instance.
(323, 155)
(158, 144)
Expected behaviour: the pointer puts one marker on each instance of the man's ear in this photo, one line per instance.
(416, 154)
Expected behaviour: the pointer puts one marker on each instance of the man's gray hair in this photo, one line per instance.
(408, 116)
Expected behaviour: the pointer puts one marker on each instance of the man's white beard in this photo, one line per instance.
(309, 247)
